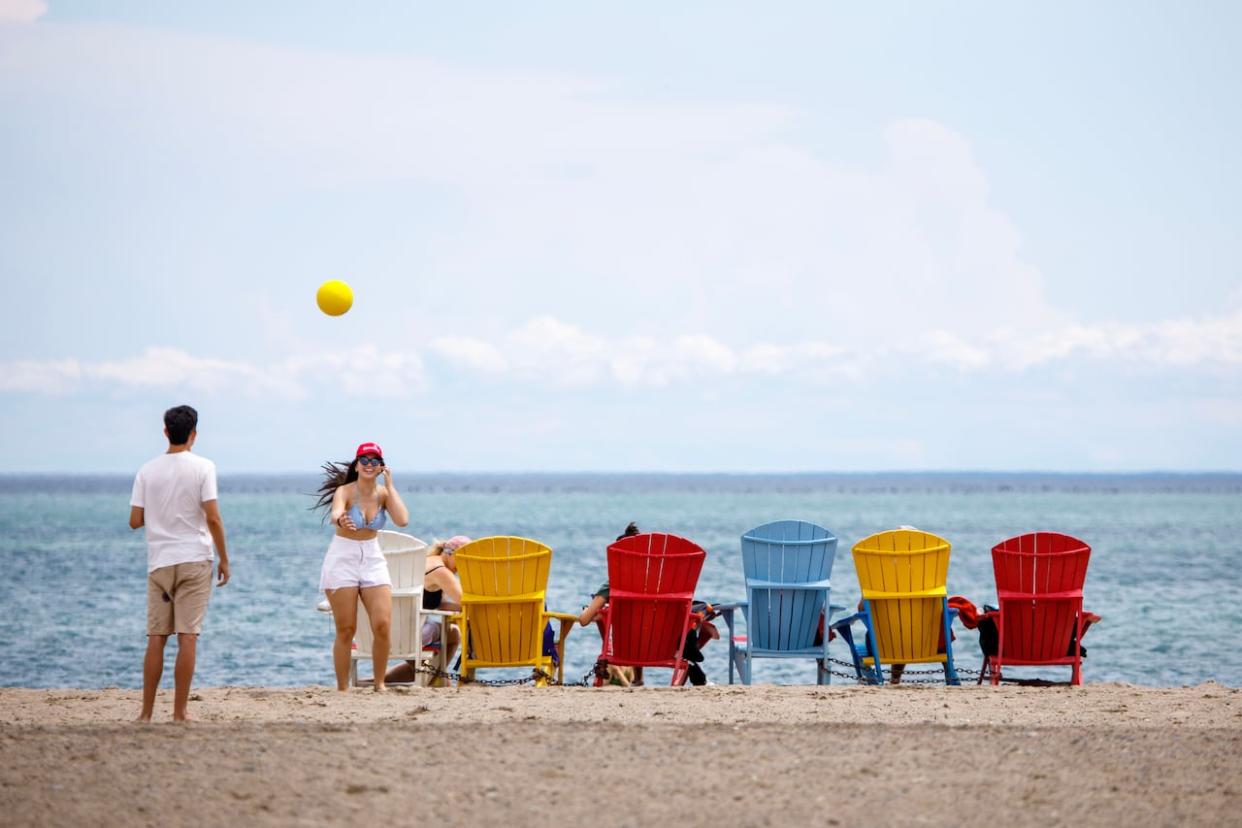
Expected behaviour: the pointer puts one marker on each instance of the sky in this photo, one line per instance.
(708, 237)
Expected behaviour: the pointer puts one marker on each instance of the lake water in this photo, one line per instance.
(1164, 573)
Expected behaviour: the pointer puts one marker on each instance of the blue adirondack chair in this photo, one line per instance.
(787, 565)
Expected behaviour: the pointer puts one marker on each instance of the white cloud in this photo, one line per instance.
(1184, 342)
(21, 11)
(811, 357)
(552, 351)
(944, 347)
(57, 376)
(470, 353)
(173, 368)
(547, 352)
(363, 370)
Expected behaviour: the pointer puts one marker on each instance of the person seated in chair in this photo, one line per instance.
(695, 641)
(441, 591)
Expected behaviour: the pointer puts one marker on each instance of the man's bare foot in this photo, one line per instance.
(143, 719)
(182, 719)
(379, 688)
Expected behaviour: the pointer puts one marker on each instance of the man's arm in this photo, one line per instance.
(135, 517)
(215, 525)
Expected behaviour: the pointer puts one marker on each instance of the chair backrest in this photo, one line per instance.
(651, 581)
(405, 566)
(504, 581)
(1039, 579)
(786, 552)
(406, 556)
(902, 573)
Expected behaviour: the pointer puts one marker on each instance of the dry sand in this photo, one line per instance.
(1094, 755)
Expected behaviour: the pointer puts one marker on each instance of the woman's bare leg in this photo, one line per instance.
(378, 602)
(344, 603)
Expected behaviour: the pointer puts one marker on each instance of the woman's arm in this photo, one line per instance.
(340, 505)
(396, 508)
(448, 583)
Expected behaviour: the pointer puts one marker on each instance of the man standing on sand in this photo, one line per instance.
(175, 498)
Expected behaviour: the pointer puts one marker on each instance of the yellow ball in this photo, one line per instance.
(334, 297)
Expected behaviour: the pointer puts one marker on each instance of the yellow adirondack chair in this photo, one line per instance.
(504, 582)
(902, 573)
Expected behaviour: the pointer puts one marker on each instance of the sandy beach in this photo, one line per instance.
(1094, 755)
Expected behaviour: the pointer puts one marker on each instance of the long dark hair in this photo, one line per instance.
(335, 475)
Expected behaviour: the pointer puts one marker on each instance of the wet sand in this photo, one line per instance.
(1094, 755)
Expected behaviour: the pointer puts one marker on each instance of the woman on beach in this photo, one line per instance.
(354, 567)
(441, 591)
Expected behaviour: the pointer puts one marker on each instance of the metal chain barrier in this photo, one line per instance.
(587, 677)
(534, 677)
(884, 676)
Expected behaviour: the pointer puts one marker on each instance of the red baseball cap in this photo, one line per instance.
(369, 448)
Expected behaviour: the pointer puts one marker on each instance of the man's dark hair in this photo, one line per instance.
(180, 421)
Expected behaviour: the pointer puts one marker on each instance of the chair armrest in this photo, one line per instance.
(442, 613)
(847, 620)
(568, 620)
(726, 612)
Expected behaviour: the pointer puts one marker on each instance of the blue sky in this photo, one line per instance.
(820, 237)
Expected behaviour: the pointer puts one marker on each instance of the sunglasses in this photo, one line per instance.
(370, 461)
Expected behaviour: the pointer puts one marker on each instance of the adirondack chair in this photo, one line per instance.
(787, 565)
(651, 586)
(504, 582)
(406, 556)
(902, 573)
(1040, 620)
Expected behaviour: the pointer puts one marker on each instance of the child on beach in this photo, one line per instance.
(354, 567)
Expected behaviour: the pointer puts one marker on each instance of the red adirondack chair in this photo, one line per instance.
(1039, 578)
(651, 580)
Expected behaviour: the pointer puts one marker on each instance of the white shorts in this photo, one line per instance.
(351, 563)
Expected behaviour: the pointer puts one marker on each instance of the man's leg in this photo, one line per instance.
(152, 670)
(183, 673)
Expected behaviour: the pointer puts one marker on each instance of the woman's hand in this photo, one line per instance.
(346, 522)
(387, 477)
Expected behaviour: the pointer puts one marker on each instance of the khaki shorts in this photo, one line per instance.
(177, 598)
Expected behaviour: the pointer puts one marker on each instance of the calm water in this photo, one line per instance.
(1164, 570)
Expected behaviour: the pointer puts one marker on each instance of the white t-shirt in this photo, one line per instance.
(171, 490)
